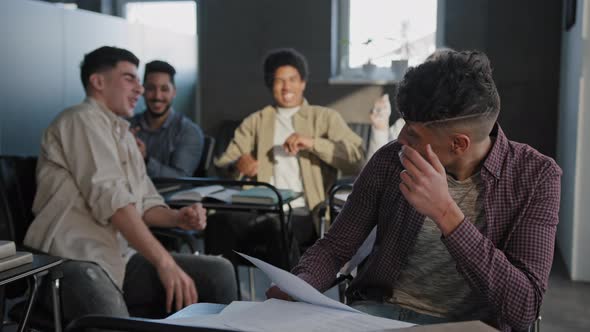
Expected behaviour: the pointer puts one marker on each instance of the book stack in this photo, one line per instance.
(10, 258)
(263, 195)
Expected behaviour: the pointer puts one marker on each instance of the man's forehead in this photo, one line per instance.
(286, 71)
(155, 75)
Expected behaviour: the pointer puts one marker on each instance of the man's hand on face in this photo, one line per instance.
(297, 142)
(247, 165)
(424, 185)
(380, 113)
(192, 217)
(179, 287)
(275, 292)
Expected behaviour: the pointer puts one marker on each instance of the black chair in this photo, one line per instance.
(206, 158)
(363, 130)
(17, 176)
(17, 192)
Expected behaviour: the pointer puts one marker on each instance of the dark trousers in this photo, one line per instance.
(87, 289)
(259, 235)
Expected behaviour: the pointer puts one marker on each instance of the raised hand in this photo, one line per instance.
(380, 113)
(297, 142)
(424, 185)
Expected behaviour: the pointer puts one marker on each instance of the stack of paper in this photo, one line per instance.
(10, 258)
(314, 312)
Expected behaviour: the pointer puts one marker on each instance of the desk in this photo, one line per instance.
(258, 208)
(471, 326)
(34, 273)
(204, 310)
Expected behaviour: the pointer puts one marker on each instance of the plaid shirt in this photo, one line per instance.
(508, 262)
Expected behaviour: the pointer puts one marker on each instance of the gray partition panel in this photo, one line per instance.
(42, 47)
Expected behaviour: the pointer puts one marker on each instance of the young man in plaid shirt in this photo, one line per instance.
(465, 218)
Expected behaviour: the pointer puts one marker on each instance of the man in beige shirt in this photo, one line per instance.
(292, 144)
(94, 204)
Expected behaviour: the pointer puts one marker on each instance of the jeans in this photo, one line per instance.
(87, 289)
(394, 311)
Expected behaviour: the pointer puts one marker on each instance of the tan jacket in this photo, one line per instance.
(88, 168)
(336, 147)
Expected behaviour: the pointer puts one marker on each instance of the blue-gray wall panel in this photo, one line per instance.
(31, 72)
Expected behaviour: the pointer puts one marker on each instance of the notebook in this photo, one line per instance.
(18, 259)
(205, 193)
(7, 248)
(262, 195)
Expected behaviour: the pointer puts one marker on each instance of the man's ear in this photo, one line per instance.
(461, 143)
(96, 81)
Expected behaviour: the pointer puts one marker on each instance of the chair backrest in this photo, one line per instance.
(363, 130)
(17, 192)
(206, 157)
(224, 134)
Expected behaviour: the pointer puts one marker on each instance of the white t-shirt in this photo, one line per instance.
(286, 171)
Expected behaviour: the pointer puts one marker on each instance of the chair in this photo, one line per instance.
(17, 192)
(363, 130)
(206, 157)
(17, 175)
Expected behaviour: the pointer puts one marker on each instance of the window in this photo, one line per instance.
(376, 40)
(174, 16)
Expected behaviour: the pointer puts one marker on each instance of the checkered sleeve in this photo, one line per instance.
(320, 263)
(513, 279)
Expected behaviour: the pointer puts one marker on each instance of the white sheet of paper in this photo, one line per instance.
(208, 314)
(198, 309)
(285, 316)
(211, 321)
(295, 286)
(238, 306)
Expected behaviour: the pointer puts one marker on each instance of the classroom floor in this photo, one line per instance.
(566, 306)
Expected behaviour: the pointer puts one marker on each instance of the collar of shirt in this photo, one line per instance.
(287, 112)
(303, 111)
(497, 155)
(120, 125)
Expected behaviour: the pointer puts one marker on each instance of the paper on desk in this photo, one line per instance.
(199, 309)
(278, 315)
(207, 314)
(295, 286)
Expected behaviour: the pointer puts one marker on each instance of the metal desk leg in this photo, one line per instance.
(251, 282)
(56, 305)
(2, 303)
(34, 288)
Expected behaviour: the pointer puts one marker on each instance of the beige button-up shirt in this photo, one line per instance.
(88, 168)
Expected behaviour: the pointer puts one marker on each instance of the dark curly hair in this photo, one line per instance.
(104, 58)
(452, 85)
(158, 66)
(284, 57)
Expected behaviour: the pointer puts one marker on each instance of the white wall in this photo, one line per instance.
(573, 146)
